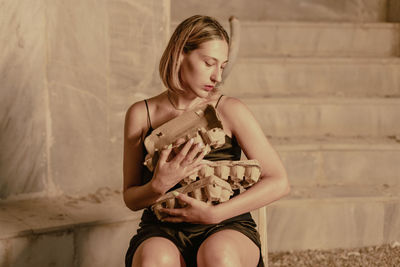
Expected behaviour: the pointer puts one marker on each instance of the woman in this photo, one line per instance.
(199, 234)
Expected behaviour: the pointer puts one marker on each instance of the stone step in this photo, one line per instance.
(286, 10)
(340, 161)
(318, 117)
(334, 217)
(269, 39)
(315, 76)
(304, 39)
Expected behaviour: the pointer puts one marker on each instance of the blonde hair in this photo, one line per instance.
(188, 36)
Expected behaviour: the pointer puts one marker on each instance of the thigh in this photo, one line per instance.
(157, 251)
(229, 248)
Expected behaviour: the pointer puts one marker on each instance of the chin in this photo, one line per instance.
(205, 94)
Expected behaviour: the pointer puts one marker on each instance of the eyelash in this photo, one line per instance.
(209, 65)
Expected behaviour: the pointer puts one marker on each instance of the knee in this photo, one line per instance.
(157, 259)
(214, 255)
(153, 254)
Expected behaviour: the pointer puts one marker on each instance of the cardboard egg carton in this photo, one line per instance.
(211, 190)
(239, 174)
(201, 124)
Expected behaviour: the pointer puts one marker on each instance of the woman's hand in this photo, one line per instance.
(195, 211)
(175, 164)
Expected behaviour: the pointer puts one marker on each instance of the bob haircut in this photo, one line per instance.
(188, 36)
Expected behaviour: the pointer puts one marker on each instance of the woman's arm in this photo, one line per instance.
(273, 183)
(168, 171)
(136, 196)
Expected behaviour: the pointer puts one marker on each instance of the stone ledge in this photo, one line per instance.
(325, 160)
(326, 116)
(316, 76)
(44, 215)
(333, 217)
(343, 193)
(326, 143)
(288, 10)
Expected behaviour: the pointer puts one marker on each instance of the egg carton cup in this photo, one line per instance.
(211, 190)
(202, 125)
(239, 174)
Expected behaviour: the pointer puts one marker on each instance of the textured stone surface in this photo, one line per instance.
(93, 230)
(346, 117)
(77, 79)
(315, 77)
(95, 245)
(68, 77)
(138, 33)
(70, 70)
(392, 218)
(23, 160)
(93, 79)
(103, 245)
(41, 215)
(289, 10)
(4, 254)
(319, 39)
(56, 249)
(330, 162)
(325, 224)
(393, 13)
(10, 225)
(363, 167)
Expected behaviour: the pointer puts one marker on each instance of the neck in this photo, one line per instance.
(183, 102)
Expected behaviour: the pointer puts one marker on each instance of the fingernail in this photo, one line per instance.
(175, 193)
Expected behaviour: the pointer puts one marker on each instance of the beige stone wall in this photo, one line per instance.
(284, 10)
(69, 70)
(23, 164)
(393, 10)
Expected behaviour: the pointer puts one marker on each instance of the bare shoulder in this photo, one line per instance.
(135, 120)
(232, 108)
(234, 113)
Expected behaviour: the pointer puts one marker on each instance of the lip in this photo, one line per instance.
(209, 87)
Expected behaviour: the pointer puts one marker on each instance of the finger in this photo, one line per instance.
(178, 144)
(182, 154)
(199, 158)
(165, 153)
(194, 151)
(185, 198)
(172, 212)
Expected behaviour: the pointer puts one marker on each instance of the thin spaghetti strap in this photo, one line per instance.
(216, 105)
(148, 113)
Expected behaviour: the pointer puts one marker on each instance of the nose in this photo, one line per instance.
(216, 75)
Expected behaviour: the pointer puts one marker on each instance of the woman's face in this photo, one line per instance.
(201, 69)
